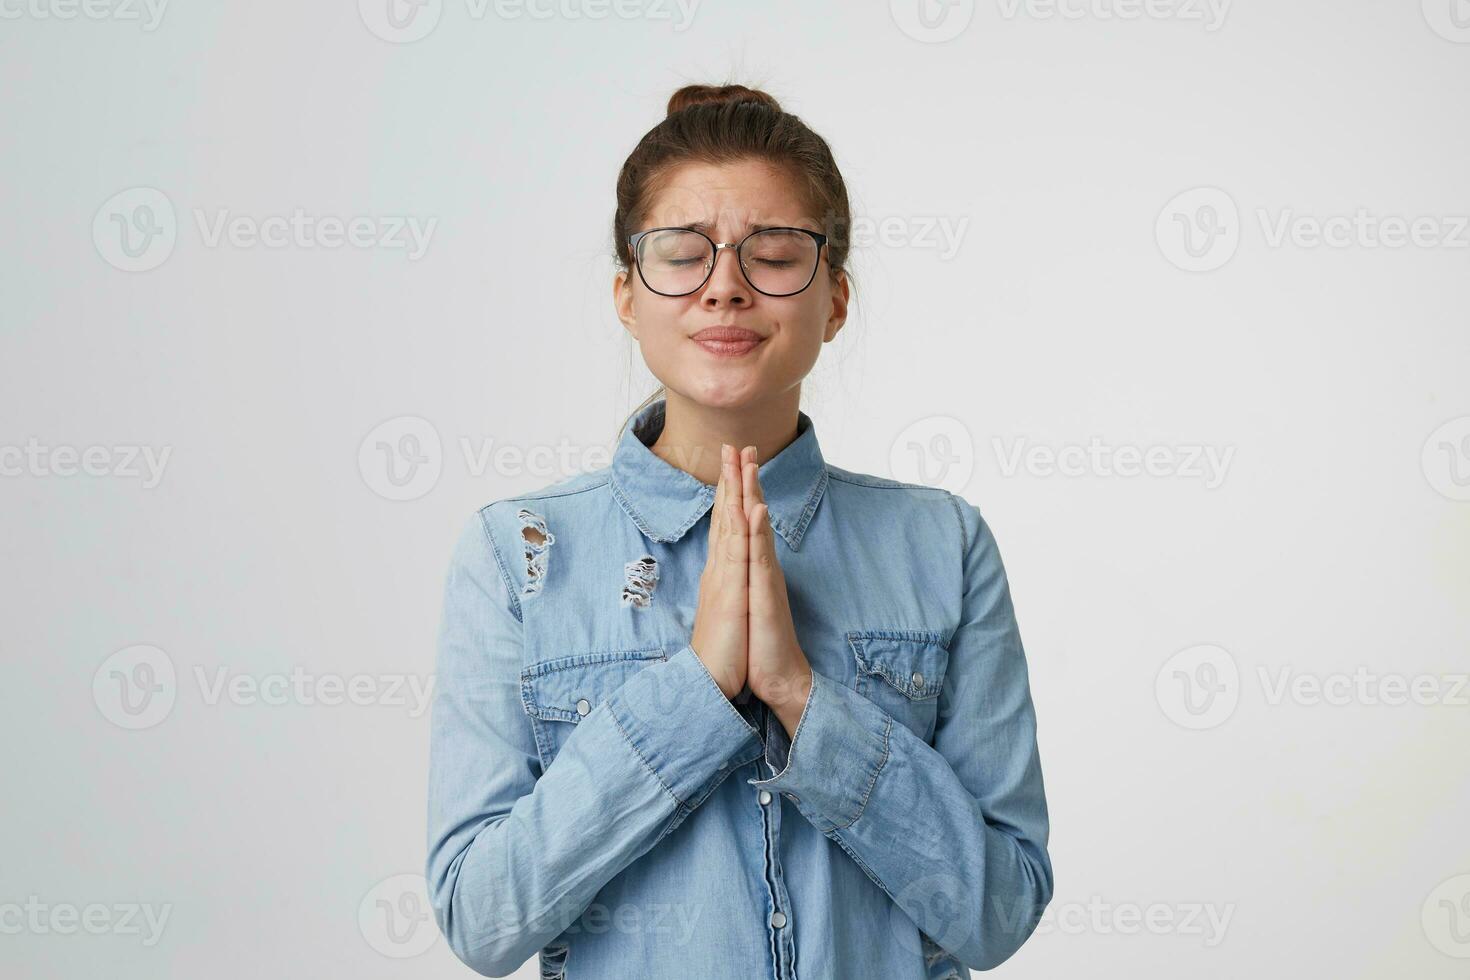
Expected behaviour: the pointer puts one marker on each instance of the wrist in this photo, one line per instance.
(787, 700)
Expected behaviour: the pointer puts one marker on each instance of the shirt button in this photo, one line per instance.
(583, 706)
(918, 679)
(792, 797)
(765, 796)
(778, 919)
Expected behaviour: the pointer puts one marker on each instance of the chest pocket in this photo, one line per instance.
(558, 694)
(902, 671)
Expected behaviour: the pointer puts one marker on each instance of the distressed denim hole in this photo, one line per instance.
(641, 578)
(537, 540)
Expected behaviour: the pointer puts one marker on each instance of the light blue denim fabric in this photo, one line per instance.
(595, 797)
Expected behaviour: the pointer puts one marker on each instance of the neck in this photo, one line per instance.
(692, 432)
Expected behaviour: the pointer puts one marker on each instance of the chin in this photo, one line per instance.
(715, 391)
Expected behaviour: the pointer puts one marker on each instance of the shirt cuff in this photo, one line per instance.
(683, 727)
(833, 759)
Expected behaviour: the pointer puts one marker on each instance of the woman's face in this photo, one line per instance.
(726, 202)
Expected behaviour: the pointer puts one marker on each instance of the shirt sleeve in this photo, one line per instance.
(955, 832)
(515, 853)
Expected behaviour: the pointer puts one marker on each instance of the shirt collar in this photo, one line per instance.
(665, 502)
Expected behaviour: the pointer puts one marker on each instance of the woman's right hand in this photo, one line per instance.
(720, 618)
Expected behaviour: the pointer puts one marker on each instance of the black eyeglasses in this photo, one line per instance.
(679, 261)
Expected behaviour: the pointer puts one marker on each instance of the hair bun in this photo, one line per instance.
(692, 95)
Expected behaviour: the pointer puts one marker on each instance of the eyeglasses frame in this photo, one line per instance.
(637, 237)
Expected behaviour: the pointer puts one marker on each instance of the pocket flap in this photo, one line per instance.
(910, 661)
(569, 688)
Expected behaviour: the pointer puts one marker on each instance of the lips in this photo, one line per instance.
(727, 341)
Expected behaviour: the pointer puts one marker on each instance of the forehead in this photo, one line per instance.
(729, 197)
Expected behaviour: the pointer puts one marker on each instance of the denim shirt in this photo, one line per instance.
(595, 798)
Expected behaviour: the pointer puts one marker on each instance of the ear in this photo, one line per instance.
(838, 317)
(623, 301)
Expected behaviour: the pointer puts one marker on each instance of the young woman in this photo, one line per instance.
(723, 709)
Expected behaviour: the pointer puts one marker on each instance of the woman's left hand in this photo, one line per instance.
(777, 670)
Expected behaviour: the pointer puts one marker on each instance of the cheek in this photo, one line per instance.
(658, 326)
(802, 327)
(798, 345)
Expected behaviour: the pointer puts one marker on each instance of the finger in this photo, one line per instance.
(733, 492)
(767, 583)
(716, 514)
(720, 517)
(735, 573)
(751, 479)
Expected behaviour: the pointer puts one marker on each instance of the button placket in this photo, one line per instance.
(780, 898)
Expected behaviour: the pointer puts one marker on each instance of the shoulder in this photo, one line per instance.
(508, 532)
(947, 528)
(506, 518)
(951, 515)
(564, 496)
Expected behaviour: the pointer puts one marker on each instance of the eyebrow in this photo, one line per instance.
(709, 229)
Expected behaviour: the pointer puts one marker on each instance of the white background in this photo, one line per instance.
(1161, 611)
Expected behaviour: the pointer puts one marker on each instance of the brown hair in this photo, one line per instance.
(719, 124)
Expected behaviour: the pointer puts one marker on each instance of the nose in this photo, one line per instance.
(726, 283)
